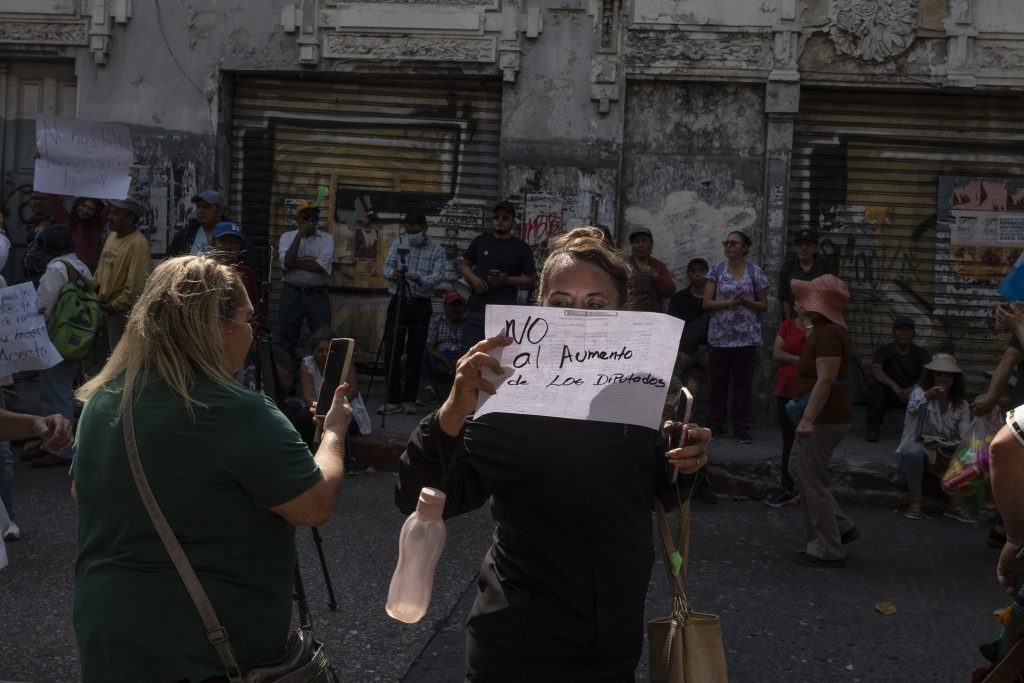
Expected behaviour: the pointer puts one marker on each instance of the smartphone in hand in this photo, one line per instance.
(339, 359)
(682, 413)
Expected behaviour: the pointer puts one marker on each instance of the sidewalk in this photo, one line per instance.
(862, 473)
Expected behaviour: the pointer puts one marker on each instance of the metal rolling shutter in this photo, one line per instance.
(876, 173)
(393, 146)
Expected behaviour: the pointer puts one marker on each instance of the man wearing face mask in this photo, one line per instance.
(416, 264)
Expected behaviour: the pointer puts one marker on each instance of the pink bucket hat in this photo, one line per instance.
(826, 295)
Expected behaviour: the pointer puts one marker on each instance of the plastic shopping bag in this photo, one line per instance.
(967, 473)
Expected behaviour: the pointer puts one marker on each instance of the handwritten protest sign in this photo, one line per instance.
(83, 158)
(608, 366)
(24, 342)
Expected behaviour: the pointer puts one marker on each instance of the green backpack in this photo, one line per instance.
(76, 318)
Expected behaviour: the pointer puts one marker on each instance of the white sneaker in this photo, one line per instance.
(13, 533)
(389, 409)
(409, 408)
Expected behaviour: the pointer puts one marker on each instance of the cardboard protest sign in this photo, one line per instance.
(82, 158)
(24, 341)
(608, 366)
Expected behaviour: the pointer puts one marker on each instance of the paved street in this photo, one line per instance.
(781, 621)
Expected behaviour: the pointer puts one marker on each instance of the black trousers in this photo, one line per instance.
(411, 340)
(880, 398)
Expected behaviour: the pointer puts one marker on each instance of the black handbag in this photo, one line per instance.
(304, 659)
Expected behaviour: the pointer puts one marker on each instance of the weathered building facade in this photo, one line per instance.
(895, 129)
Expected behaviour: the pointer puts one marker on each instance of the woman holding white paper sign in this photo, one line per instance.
(561, 591)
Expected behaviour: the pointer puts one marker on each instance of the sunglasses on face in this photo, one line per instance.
(731, 243)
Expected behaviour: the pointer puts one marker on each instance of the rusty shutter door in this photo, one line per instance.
(919, 199)
(382, 148)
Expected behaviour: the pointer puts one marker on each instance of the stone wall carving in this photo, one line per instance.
(872, 30)
(446, 3)
(1001, 57)
(672, 48)
(47, 33)
(420, 48)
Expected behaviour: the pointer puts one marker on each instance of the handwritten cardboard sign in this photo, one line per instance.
(24, 341)
(83, 158)
(608, 366)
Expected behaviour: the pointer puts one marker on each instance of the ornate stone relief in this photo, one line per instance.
(1001, 57)
(430, 49)
(462, 31)
(45, 33)
(673, 48)
(872, 30)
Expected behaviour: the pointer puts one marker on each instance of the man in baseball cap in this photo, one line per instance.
(210, 209)
(495, 265)
(444, 346)
(804, 264)
(654, 283)
(896, 368)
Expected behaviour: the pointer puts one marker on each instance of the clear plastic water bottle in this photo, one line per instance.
(419, 548)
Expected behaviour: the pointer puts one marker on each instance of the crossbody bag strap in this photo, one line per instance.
(676, 583)
(216, 635)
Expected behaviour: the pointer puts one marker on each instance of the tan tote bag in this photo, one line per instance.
(686, 646)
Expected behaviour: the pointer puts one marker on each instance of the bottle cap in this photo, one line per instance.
(431, 504)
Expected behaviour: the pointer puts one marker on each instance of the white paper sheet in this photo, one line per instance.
(83, 158)
(24, 342)
(608, 366)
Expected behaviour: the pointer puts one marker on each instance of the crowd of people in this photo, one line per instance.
(233, 472)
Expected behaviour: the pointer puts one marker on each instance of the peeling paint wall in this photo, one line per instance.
(693, 167)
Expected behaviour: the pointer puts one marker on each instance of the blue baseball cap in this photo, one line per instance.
(227, 228)
(211, 197)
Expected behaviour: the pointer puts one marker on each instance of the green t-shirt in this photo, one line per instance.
(215, 477)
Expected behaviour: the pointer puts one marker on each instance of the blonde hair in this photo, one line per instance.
(588, 244)
(173, 333)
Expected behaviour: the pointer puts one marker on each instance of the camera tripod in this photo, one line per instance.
(266, 381)
(396, 325)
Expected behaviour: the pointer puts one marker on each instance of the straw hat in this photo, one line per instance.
(944, 362)
(826, 295)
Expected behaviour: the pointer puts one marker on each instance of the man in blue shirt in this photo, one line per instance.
(416, 265)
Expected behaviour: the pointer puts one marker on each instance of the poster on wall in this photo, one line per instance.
(980, 235)
(984, 219)
(82, 158)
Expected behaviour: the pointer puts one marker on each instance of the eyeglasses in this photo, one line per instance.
(731, 243)
(501, 217)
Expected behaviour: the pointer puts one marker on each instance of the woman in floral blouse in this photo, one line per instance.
(736, 295)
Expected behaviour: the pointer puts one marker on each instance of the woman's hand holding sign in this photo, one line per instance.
(469, 382)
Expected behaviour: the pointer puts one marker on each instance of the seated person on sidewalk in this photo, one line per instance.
(896, 368)
(311, 376)
(444, 346)
(937, 419)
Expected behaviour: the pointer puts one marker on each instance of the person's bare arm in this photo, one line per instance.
(479, 285)
(1006, 468)
(780, 355)
(759, 304)
(54, 430)
(1000, 378)
(314, 506)
(306, 387)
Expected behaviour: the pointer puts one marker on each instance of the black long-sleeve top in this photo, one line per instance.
(562, 588)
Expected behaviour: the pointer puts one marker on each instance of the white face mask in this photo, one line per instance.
(418, 240)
